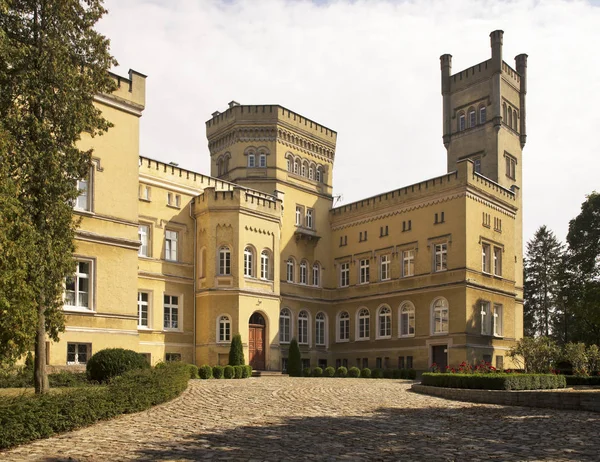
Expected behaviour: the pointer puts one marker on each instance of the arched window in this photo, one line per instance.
(407, 320)
(251, 160)
(264, 265)
(440, 316)
(319, 175)
(262, 161)
(384, 322)
(504, 113)
(303, 272)
(515, 120)
(364, 319)
(461, 122)
(289, 165)
(344, 326)
(224, 261)
(220, 166)
(303, 328)
(482, 115)
(304, 169)
(510, 122)
(224, 329)
(285, 327)
(248, 262)
(311, 173)
(202, 269)
(316, 275)
(297, 167)
(472, 121)
(320, 329)
(290, 270)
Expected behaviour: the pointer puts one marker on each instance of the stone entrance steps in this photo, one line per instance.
(268, 374)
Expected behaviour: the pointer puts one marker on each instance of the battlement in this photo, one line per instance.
(509, 72)
(238, 198)
(131, 89)
(471, 75)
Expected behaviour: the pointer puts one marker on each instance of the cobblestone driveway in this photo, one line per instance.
(324, 419)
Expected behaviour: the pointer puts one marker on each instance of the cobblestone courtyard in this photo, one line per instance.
(285, 418)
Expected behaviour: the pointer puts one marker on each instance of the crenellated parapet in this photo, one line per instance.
(241, 199)
(130, 95)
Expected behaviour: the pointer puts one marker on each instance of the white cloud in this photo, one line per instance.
(370, 71)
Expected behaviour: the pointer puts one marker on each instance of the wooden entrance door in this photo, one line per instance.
(439, 356)
(256, 342)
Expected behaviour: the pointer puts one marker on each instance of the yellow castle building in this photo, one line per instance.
(172, 263)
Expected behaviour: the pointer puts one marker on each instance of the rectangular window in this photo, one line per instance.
(309, 218)
(78, 353)
(383, 231)
(338, 363)
(251, 161)
(344, 274)
(171, 306)
(365, 363)
(400, 362)
(511, 166)
(482, 117)
(78, 288)
(486, 220)
(362, 236)
(224, 261)
(262, 161)
(378, 363)
(486, 319)
(440, 320)
(290, 271)
(497, 315)
(303, 273)
(406, 225)
(440, 257)
(172, 357)
(364, 271)
(171, 238)
(497, 261)
(142, 309)
(83, 201)
(144, 234)
(409, 362)
(298, 215)
(461, 122)
(471, 119)
(408, 263)
(385, 268)
(144, 192)
(485, 258)
(477, 165)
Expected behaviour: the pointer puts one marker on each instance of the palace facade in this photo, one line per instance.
(172, 263)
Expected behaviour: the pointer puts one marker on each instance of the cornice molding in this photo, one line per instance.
(87, 236)
(119, 103)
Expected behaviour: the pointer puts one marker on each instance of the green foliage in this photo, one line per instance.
(412, 374)
(329, 371)
(388, 373)
(575, 353)
(16, 377)
(30, 417)
(365, 373)
(236, 351)
(354, 372)
(246, 371)
(396, 373)
(205, 372)
(377, 373)
(112, 362)
(317, 372)
(238, 371)
(574, 380)
(217, 372)
(341, 372)
(306, 372)
(537, 355)
(228, 372)
(593, 356)
(193, 371)
(499, 381)
(294, 366)
(68, 379)
(403, 374)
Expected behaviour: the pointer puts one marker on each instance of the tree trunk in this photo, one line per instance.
(40, 378)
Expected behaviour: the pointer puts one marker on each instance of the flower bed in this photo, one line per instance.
(494, 381)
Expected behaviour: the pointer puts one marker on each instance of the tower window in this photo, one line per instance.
(472, 121)
(511, 166)
(262, 162)
(477, 165)
(251, 161)
(461, 122)
(482, 115)
(515, 120)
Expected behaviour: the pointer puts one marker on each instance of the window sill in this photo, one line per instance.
(441, 270)
(87, 213)
(343, 340)
(144, 199)
(407, 276)
(145, 257)
(144, 328)
(172, 330)
(438, 334)
(176, 207)
(363, 339)
(386, 337)
(78, 309)
(223, 342)
(406, 336)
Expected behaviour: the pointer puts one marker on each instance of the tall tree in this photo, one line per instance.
(583, 292)
(52, 63)
(542, 269)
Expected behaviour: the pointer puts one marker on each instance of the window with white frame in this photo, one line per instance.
(477, 165)
(248, 262)
(289, 164)
(344, 274)
(78, 287)
(171, 240)
(384, 268)
(320, 320)
(440, 316)
(311, 173)
(363, 275)
(511, 166)
(408, 263)
(384, 322)
(344, 326)
(251, 161)
(482, 115)
(303, 272)
(224, 334)
(319, 175)
(497, 320)
(262, 161)
(285, 328)
(472, 120)
(171, 312)
(143, 309)
(461, 122)
(144, 192)
(303, 328)
(485, 258)
(304, 168)
(440, 259)
(297, 167)
(144, 236)
(290, 270)
(224, 261)
(498, 261)
(78, 353)
(364, 319)
(83, 201)
(486, 318)
(310, 218)
(407, 320)
(264, 265)
(316, 275)
(299, 215)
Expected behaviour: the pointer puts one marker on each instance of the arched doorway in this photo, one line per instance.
(256, 341)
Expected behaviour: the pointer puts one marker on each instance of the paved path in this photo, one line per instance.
(286, 418)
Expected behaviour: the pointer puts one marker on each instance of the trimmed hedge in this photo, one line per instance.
(246, 371)
(582, 380)
(217, 372)
(317, 372)
(329, 371)
(112, 362)
(306, 372)
(341, 372)
(365, 373)
(193, 370)
(354, 372)
(29, 417)
(498, 381)
(69, 379)
(377, 373)
(238, 371)
(205, 372)
(228, 372)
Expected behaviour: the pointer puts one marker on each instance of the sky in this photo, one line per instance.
(369, 70)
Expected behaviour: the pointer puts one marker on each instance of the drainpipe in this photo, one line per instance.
(194, 265)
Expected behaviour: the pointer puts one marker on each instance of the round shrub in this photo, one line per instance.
(306, 372)
(341, 372)
(377, 373)
(112, 362)
(205, 372)
(388, 373)
(317, 372)
(329, 372)
(217, 372)
(397, 374)
(193, 371)
(246, 371)
(354, 372)
(412, 374)
(365, 373)
(404, 374)
(238, 371)
(228, 372)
